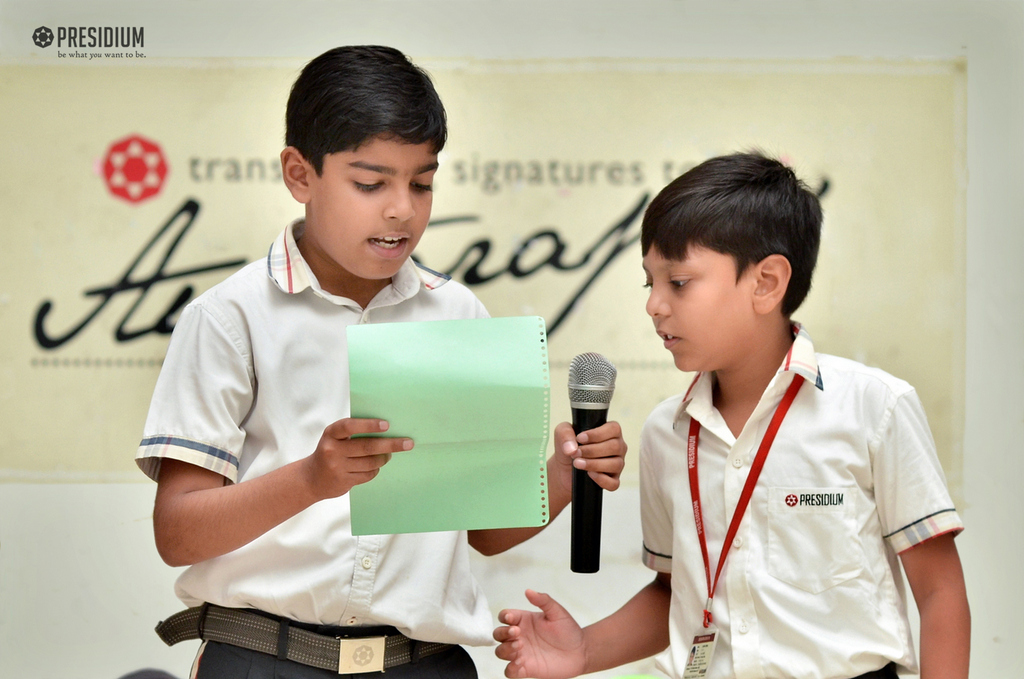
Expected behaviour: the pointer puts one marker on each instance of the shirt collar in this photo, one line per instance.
(800, 359)
(290, 272)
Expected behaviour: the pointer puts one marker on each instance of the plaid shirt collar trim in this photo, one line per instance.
(291, 274)
(432, 280)
(800, 359)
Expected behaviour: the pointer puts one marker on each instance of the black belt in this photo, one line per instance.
(260, 632)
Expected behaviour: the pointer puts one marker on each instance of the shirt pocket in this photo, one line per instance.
(813, 543)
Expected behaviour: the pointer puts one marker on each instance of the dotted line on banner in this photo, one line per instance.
(96, 362)
(625, 365)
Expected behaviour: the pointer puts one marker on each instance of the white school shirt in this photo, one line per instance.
(255, 370)
(812, 587)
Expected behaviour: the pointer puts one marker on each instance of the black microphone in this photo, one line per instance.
(591, 384)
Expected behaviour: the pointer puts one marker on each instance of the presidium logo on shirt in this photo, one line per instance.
(827, 499)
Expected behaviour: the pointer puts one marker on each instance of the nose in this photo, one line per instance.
(655, 306)
(400, 207)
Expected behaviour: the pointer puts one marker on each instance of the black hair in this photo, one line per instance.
(746, 205)
(350, 95)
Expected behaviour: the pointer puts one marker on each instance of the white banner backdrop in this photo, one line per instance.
(147, 185)
(130, 190)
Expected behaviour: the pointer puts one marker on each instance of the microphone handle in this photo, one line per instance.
(585, 547)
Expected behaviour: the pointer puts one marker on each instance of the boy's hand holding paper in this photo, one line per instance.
(473, 395)
(341, 461)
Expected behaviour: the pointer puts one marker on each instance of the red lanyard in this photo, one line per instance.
(748, 488)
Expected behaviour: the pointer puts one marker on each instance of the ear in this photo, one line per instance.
(771, 277)
(297, 174)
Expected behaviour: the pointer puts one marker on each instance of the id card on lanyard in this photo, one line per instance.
(703, 647)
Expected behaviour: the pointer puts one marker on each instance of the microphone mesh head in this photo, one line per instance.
(591, 380)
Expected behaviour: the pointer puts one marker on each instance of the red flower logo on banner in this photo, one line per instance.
(134, 168)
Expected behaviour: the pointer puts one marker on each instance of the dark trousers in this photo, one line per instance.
(222, 661)
(887, 672)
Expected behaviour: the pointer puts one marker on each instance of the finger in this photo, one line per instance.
(565, 439)
(607, 461)
(608, 466)
(603, 441)
(606, 432)
(605, 481)
(610, 448)
(506, 651)
(510, 616)
(505, 634)
(516, 668)
(614, 447)
(545, 603)
(611, 466)
(379, 446)
(366, 464)
(350, 426)
(367, 447)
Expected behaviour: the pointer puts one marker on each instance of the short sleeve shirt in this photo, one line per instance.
(255, 370)
(812, 586)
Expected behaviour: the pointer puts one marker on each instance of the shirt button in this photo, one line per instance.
(737, 543)
(351, 621)
(737, 462)
(367, 562)
(743, 628)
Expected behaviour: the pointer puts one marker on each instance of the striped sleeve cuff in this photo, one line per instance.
(657, 562)
(939, 523)
(155, 448)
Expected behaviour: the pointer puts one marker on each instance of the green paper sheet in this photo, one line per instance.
(474, 396)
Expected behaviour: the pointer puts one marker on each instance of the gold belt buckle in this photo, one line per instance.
(361, 655)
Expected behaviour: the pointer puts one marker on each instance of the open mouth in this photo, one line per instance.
(668, 340)
(388, 242)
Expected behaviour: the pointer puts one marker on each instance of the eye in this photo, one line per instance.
(367, 188)
(648, 285)
(678, 284)
(422, 188)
